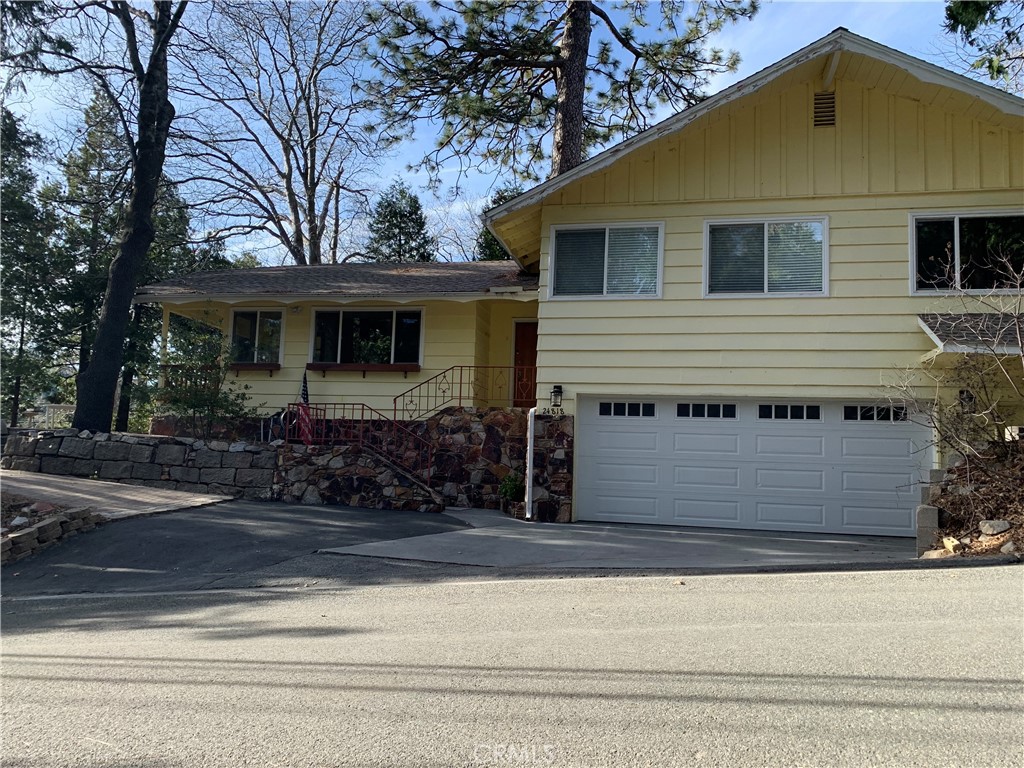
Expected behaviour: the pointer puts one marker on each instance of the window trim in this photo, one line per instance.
(765, 294)
(552, 255)
(280, 347)
(955, 214)
(364, 366)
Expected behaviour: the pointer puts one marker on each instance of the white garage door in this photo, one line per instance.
(822, 466)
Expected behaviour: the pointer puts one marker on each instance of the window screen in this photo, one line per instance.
(606, 261)
(772, 257)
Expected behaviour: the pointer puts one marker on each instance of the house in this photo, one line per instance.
(721, 301)
(368, 333)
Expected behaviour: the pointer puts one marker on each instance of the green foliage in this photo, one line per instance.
(398, 228)
(487, 246)
(27, 271)
(197, 387)
(994, 29)
(511, 487)
(494, 75)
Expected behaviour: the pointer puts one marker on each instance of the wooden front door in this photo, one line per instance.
(525, 361)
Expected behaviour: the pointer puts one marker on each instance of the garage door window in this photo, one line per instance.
(789, 412)
(873, 413)
(642, 410)
(706, 410)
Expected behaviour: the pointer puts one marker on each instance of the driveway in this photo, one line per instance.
(207, 547)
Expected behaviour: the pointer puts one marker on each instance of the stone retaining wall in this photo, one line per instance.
(478, 447)
(175, 463)
(46, 533)
(350, 476)
(475, 450)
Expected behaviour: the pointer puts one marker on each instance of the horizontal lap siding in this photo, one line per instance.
(899, 146)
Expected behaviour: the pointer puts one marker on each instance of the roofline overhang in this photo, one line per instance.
(948, 347)
(837, 41)
(525, 295)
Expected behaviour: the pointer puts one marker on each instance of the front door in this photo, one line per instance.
(525, 360)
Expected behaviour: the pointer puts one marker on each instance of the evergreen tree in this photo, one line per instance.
(398, 228)
(505, 78)
(487, 246)
(27, 271)
(994, 30)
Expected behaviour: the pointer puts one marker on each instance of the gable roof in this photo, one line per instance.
(453, 280)
(837, 41)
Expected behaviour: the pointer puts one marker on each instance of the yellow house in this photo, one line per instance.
(724, 301)
(455, 334)
(726, 298)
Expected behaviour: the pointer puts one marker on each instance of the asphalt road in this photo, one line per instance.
(901, 668)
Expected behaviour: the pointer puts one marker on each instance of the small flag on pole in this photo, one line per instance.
(305, 422)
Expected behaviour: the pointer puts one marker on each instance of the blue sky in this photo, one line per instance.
(779, 29)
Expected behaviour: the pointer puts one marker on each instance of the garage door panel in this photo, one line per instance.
(875, 447)
(704, 477)
(633, 508)
(826, 476)
(642, 474)
(890, 517)
(649, 441)
(704, 511)
(769, 446)
(790, 514)
(705, 444)
(791, 479)
(876, 481)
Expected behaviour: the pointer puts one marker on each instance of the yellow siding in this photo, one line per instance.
(454, 334)
(848, 344)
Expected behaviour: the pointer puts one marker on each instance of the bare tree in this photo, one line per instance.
(976, 400)
(279, 139)
(122, 49)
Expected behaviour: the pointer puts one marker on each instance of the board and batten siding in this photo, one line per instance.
(455, 333)
(899, 146)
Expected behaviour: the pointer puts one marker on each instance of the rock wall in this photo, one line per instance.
(475, 450)
(350, 476)
(478, 447)
(176, 463)
(46, 533)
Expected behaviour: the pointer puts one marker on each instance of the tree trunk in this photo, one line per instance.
(16, 393)
(567, 144)
(98, 383)
(124, 401)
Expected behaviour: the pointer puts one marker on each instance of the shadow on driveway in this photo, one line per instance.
(197, 548)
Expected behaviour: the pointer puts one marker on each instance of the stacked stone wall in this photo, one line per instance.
(176, 463)
(476, 448)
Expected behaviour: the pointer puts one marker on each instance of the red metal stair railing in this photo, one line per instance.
(359, 424)
(469, 385)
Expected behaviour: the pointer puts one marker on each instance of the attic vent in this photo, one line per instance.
(824, 109)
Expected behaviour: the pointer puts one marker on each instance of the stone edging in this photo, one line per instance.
(47, 533)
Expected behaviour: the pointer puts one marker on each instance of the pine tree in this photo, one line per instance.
(487, 246)
(994, 31)
(27, 270)
(398, 228)
(507, 79)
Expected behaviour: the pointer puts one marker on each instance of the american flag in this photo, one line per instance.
(305, 422)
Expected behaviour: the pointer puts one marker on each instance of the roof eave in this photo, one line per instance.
(525, 294)
(837, 40)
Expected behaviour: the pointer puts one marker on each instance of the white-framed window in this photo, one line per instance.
(615, 260)
(775, 257)
(966, 252)
(367, 336)
(256, 335)
(890, 413)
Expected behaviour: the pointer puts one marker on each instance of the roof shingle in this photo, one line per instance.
(360, 279)
(980, 332)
